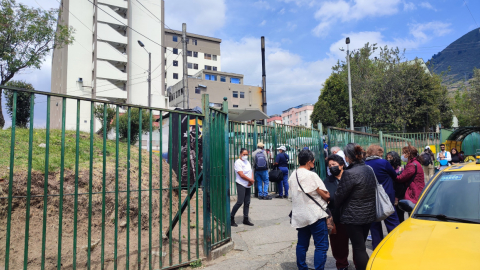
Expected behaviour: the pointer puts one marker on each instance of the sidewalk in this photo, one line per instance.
(270, 244)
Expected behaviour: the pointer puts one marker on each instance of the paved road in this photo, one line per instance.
(270, 244)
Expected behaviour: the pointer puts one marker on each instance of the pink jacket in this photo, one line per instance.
(417, 185)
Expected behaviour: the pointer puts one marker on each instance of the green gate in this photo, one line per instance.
(341, 137)
(396, 141)
(75, 197)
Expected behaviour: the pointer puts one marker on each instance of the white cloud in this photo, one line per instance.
(407, 6)
(262, 4)
(282, 11)
(197, 14)
(427, 5)
(291, 26)
(291, 80)
(301, 2)
(424, 31)
(340, 10)
(263, 23)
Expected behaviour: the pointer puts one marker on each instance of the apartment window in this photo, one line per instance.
(175, 75)
(208, 56)
(187, 40)
(242, 94)
(195, 54)
(210, 77)
(194, 42)
(190, 65)
(197, 90)
(235, 106)
(223, 79)
(214, 68)
(189, 53)
(235, 80)
(208, 67)
(235, 94)
(175, 38)
(175, 51)
(195, 66)
(175, 63)
(214, 57)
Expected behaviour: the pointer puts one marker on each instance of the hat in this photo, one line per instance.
(427, 147)
(260, 144)
(282, 148)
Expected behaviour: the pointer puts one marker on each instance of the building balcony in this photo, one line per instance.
(115, 3)
(105, 51)
(110, 16)
(111, 70)
(112, 33)
(110, 89)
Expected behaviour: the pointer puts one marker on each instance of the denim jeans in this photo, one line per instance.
(391, 222)
(319, 231)
(284, 183)
(262, 180)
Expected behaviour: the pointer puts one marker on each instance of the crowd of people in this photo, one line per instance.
(346, 198)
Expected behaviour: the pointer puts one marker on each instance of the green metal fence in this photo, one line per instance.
(76, 199)
(341, 137)
(294, 138)
(396, 141)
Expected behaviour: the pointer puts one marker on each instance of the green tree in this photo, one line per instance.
(466, 102)
(135, 124)
(22, 117)
(27, 36)
(98, 112)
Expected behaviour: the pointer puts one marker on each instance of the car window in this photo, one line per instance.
(454, 194)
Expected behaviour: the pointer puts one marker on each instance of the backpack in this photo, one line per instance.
(427, 159)
(260, 162)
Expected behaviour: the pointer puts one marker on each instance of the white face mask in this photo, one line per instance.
(244, 158)
(404, 159)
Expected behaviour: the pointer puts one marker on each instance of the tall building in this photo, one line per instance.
(274, 119)
(298, 116)
(106, 61)
(202, 53)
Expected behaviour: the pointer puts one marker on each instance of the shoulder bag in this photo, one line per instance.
(384, 207)
(330, 224)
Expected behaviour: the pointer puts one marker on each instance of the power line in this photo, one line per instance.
(154, 15)
(470, 12)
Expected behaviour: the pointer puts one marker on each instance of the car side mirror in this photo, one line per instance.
(406, 205)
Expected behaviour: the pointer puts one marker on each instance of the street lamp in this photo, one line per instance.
(149, 74)
(347, 41)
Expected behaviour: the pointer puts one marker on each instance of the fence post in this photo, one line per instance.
(382, 144)
(329, 137)
(227, 169)
(254, 147)
(323, 169)
(207, 233)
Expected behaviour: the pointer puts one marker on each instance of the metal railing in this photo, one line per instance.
(341, 137)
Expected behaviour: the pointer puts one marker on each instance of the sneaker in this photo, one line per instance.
(285, 196)
(279, 197)
(267, 198)
(261, 198)
(369, 237)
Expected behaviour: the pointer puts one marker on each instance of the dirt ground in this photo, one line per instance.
(160, 213)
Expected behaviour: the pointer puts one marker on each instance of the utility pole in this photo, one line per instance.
(349, 85)
(149, 79)
(186, 94)
(264, 81)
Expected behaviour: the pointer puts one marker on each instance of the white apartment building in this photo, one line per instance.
(202, 53)
(105, 61)
(299, 115)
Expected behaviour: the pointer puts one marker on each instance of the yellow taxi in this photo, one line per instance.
(443, 231)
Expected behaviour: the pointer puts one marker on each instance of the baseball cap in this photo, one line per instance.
(427, 147)
(260, 144)
(282, 148)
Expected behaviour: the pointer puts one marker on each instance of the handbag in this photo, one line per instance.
(275, 175)
(330, 224)
(383, 205)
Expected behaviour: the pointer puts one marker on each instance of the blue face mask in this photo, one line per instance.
(404, 159)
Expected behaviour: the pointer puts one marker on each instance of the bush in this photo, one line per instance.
(134, 128)
(98, 112)
(23, 103)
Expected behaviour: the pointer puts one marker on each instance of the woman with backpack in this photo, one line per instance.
(427, 164)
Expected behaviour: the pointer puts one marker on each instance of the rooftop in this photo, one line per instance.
(298, 107)
(193, 35)
(218, 73)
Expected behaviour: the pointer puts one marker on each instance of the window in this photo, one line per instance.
(214, 68)
(194, 42)
(235, 106)
(208, 67)
(223, 79)
(175, 38)
(214, 57)
(195, 66)
(208, 56)
(175, 75)
(175, 63)
(242, 94)
(235, 80)
(197, 90)
(189, 53)
(190, 65)
(210, 77)
(195, 54)
(235, 94)
(187, 40)
(175, 51)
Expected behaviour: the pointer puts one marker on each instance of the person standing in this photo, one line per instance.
(427, 164)
(244, 181)
(455, 156)
(309, 216)
(356, 196)
(260, 161)
(336, 151)
(385, 176)
(443, 157)
(282, 162)
(338, 241)
(396, 162)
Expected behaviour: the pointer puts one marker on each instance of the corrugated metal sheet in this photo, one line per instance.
(471, 143)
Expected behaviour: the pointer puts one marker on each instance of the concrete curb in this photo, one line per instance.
(224, 249)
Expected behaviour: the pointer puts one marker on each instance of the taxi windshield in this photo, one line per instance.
(453, 195)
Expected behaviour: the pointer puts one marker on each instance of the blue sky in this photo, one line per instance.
(303, 37)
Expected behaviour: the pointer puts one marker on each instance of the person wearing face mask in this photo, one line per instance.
(244, 181)
(309, 214)
(338, 241)
(385, 176)
(412, 177)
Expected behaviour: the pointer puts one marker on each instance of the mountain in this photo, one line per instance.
(462, 56)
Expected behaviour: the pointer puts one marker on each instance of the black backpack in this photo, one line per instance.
(261, 163)
(427, 159)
